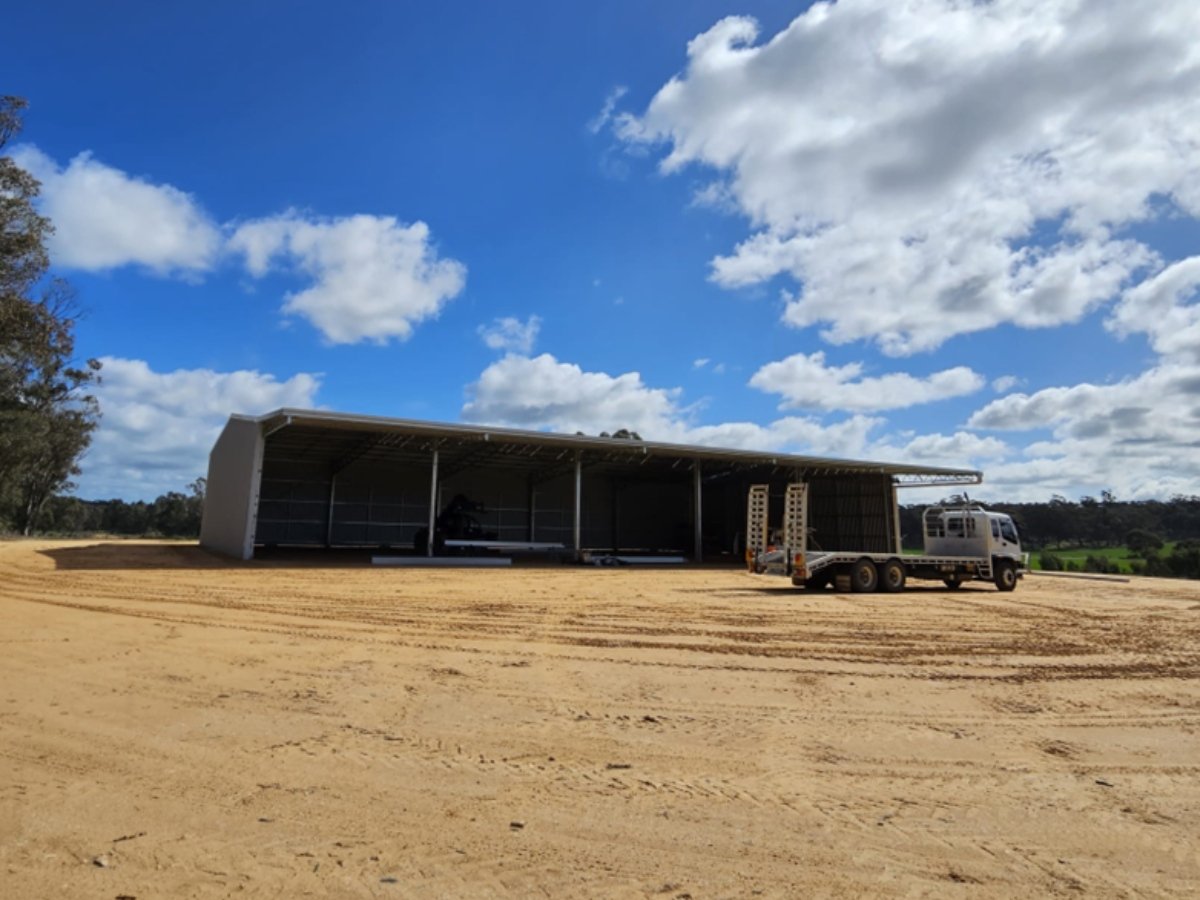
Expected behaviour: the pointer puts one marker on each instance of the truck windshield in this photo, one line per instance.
(1008, 530)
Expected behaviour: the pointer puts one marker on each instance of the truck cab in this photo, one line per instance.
(970, 531)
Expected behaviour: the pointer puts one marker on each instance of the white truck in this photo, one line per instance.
(962, 543)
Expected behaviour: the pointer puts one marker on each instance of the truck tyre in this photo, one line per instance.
(953, 582)
(1005, 575)
(864, 577)
(892, 576)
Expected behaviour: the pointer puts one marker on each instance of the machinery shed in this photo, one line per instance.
(305, 478)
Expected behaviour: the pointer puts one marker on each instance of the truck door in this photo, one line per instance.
(1004, 538)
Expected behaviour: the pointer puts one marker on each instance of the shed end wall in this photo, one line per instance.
(231, 497)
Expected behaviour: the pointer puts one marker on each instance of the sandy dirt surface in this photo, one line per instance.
(172, 725)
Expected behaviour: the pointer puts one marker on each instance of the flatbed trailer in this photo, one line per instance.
(963, 543)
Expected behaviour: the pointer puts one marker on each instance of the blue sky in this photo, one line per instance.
(964, 235)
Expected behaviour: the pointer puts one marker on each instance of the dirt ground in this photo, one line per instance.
(172, 724)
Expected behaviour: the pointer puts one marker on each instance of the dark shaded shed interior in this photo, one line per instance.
(339, 486)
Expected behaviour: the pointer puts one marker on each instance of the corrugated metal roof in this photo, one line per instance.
(280, 419)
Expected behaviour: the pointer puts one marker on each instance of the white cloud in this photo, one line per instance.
(545, 393)
(602, 118)
(1152, 459)
(933, 168)
(373, 277)
(1167, 309)
(105, 218)
(953, 450)
(1138, 437)
(511, 334)
(716, 195)
(847, 438)
(1005, 383)
(700, 363)
(157, 428)
(806, 382)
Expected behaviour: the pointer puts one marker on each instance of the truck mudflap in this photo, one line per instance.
(800, 573)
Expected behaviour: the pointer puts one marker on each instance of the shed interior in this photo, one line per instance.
(337, 486)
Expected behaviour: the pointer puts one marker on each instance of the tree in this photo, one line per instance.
(46, 413)
(178, 515)
(1140, 541)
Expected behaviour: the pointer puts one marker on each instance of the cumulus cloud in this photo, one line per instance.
(511, 334)
(545, 393)
(1166, 308)
(962, 448)
(373, 277)
(1138, 436)
(933, 168)
(105, 218)
(157, 428)
(792, 434)
(541, 392)
(806, 382)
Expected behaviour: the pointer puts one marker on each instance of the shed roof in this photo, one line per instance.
(345, 438)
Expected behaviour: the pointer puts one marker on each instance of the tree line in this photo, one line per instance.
(173, 514)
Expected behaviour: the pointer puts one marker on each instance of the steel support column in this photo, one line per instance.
(578, 530)
(896, 521)
(615, 491)
(697, 518)
(329, 518)
(532, 519)
(433, 494)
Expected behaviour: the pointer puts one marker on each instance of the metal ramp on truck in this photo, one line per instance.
(763, 555)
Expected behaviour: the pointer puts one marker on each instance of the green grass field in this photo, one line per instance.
(1076, 555)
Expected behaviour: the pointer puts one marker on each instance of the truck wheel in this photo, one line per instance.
(1005, 575)
(892, 576)
(864, 577)
(954, 582)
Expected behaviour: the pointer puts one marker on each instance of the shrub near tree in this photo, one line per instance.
(46, 413)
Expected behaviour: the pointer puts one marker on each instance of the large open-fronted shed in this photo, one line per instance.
(325, 479)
